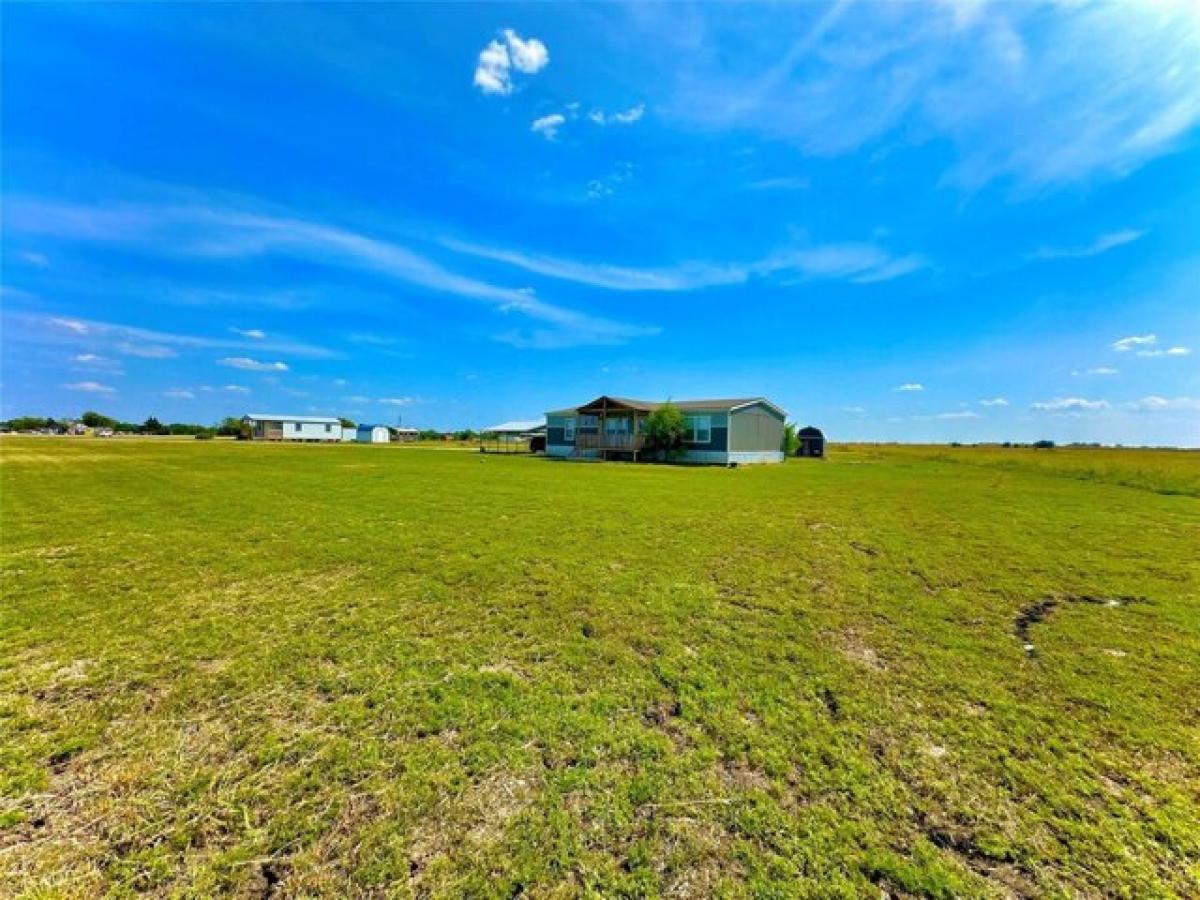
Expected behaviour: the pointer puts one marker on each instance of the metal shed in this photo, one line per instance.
(372, 434)
(812, 442)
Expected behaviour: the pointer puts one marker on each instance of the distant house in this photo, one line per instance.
(281, 427)
(720, 432)
(373, 434)
(407, 434)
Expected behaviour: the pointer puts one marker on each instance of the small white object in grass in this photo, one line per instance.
(936, 751)
(1029, 648)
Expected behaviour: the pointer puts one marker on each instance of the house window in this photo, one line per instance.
(568, 429)
(699, 429)
(296, 427)
(328, 429)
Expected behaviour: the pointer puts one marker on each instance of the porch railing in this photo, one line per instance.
(613, 440)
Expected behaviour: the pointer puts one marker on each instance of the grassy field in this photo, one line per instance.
(303, 670)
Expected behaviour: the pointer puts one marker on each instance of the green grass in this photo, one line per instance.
(233, 668)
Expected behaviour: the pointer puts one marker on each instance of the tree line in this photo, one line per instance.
(227, 427)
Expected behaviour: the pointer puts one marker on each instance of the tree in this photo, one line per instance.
(346, 423)
(28, 423)
(153, 426)
(231, 426)
(791, 443)
(666, 429)
(93, 419)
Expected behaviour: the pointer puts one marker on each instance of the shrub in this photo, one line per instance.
(791, 442)
(666, 429)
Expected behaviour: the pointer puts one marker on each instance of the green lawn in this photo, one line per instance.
(346, 670)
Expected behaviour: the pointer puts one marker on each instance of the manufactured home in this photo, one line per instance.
(280, 427)
(720, 432)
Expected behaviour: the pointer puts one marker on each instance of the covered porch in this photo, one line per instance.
(611, 428)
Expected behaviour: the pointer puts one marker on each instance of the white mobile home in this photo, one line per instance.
(280, 427)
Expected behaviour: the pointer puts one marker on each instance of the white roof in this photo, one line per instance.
(283, 417)
(518, 426)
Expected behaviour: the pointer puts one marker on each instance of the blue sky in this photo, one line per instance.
(902, 221)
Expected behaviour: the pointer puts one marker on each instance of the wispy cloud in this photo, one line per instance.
(547, 126)
(1096, 370)
(781, 183)
(145, 351)
(1169, 351)
(961, 414)
(1100, 245)
(494, 70)
(857, 410)
(1036, 95)
(1126, 344)
(627, 117)
(909, 387)
(96, 362)
(236, 389)
(399, 401)
(221, 233)
(994, 401)
(179, 394)
(146, 343)
(1070, 404)
(254, 334)
(91, 387)
(1165, 404)
(252, 365)
(855, 262)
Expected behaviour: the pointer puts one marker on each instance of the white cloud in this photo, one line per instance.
(627, 117)
(35, 259)
(529, 56)
(1037, 95)
(254, 334)
(995, 401)
(548, 126)
(144, 342)
(398, 401)
(145, 351)
(855, 262)
(782, 183)
(72, 325)
(1070, 404)
(91, 387)
(908, 387)
(854, 409)
(179, 394)
(252, 365)
(96, 361)
(236, 389)
(964, 414)
(1136, 340)
(208, 232)
(493, 72)
(1170, 351)
(1165, 404)
(1097, 370)
(1100, 245)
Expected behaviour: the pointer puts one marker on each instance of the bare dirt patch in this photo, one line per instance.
(1039, 612)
